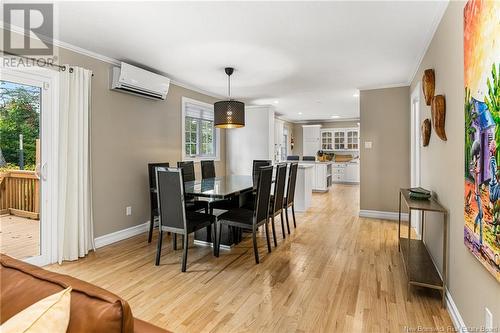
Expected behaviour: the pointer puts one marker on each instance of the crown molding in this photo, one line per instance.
(430, 36)
(385, 86)
(103, 58)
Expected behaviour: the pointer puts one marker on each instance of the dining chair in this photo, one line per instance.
(309, 158)
(174, 217)
(251, 219)
(288, 201)
(207, 169)
(256, 165)
(292, 157)
(276, 206)
(187, 170)
(153, 201)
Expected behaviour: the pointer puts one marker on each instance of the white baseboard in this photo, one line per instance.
(455, 316)
(377, 214)
(121, 235)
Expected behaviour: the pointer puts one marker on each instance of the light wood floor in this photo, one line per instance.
(19, 237)
(336, 273)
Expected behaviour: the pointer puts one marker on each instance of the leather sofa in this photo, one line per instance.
(93, 309)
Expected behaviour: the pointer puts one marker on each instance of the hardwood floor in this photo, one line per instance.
(19, 236)
(335, 273)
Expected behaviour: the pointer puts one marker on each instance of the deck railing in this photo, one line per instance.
(20, 193)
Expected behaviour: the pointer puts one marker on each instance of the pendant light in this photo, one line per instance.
(230, 113)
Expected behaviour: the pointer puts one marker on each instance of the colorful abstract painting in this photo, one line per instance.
(482, 132)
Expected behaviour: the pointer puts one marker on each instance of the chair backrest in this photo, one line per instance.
(152, 181)
(263, 197)
(292, 158)
(187, 170)
(171, 198)
(207, 169)
(256, 168)
(292, 179)
(308, 158)
(279, 187)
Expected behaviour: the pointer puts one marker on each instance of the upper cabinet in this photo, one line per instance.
(311, 139)
(340, 139)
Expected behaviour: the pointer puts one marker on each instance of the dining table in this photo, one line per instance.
(232, 187)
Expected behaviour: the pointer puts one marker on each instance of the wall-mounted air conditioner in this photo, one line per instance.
(137, 81)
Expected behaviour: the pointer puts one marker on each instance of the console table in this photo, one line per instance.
(419, 267)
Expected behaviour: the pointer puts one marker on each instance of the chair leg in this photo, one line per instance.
(287, 224)
(214, 237)
(266, 227)
(174, 241)
(184, 252)
(151, 227)
(282, 224)
(293, 214)
(158, 249)
(274, 230)
(255, 249)
(217, 238)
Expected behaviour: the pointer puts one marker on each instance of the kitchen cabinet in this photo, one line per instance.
(345, 172)
(322, 176)
(340, 139)
(311, 140)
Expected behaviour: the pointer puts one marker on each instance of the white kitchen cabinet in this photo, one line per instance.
(322, 177)
(340, 139)
(311, 140)
(345, 172)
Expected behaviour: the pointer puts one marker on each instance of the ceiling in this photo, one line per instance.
(308, 59)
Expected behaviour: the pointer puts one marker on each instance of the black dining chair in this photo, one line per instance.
(276, 207)
(288, 201)
(187, 170)
(256, 165)
(292, 157)
(174, 217)
(153, 201)
(251, 219)
(207, 169)
(309, 158)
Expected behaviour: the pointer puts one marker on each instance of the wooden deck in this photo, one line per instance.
(19, 237)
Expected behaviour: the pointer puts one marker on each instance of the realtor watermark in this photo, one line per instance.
(28, 35)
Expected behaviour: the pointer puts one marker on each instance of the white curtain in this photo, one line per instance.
(75, 224)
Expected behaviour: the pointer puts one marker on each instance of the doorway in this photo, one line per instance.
(415, 140)
(27, 175)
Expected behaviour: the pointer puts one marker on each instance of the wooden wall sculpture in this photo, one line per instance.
(428, 85)
(426, 132)
(438, 112)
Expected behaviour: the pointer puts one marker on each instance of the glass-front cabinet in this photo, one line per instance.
(352, 139)
(326, 140)
(340, 139)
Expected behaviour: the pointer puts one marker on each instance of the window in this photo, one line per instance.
(200, 139)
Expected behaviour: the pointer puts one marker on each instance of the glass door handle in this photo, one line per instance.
(43, 172)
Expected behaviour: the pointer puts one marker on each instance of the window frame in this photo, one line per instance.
(197, 157)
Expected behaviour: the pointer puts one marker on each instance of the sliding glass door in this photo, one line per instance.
(27, 229)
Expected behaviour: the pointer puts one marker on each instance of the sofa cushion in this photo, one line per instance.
(93, 309)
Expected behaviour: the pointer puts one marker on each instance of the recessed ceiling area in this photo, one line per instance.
(307, 59)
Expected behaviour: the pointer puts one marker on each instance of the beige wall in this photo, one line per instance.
(470, 285)
(385, 121)
(297, 131)
(127, 133)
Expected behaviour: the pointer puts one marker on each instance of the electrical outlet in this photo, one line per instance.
(128, 211)
(488, 320)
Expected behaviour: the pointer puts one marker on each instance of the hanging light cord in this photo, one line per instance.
(229, 85)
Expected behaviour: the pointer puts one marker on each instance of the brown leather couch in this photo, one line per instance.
(93, 309)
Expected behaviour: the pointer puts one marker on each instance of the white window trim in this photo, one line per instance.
(185, 157)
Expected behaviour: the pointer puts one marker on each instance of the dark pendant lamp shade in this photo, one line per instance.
(230, 113)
